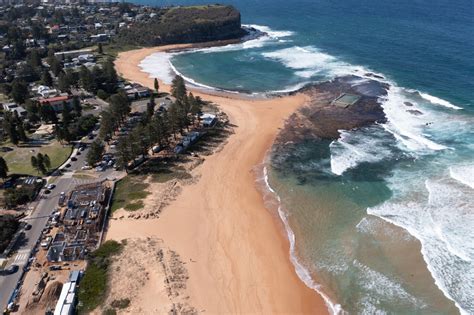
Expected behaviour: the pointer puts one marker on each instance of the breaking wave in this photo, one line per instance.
(443, 221)
(463, 174)
(438, 101)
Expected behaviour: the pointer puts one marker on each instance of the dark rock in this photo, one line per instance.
(414, 112)
(321, 119)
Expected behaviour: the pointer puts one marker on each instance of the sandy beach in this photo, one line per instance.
(236, 251)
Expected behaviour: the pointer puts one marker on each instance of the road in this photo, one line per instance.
(65, 182)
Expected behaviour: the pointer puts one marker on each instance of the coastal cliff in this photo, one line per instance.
(192, 24)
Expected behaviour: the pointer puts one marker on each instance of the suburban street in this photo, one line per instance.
(65, 182)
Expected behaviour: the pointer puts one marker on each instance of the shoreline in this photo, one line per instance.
(251, 273)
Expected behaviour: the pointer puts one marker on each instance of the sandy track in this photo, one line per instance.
(237, 254)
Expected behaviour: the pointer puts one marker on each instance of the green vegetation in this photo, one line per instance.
(94, 284)
(134, 206)
(8, 227)
(185, 25)
(128, 192)
(19, 160)
(109, 311)
(120, 304)
(20, 195)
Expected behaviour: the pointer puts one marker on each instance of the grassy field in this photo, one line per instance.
(129, 192)
(19, 160)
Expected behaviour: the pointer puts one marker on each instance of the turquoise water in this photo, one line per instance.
(383, 217)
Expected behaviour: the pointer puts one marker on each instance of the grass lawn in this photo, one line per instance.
(128, 193)
(19, 160)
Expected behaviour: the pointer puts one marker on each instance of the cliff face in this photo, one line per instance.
(186, 25)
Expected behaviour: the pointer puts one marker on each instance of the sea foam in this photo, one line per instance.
(443, 221)
(366, 145)
(463, 174)
(438, 101)
(309, 61)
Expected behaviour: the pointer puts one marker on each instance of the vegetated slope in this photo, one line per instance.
(185, 25)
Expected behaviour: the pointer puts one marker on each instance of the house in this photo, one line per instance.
(62, 55)
(45, 91)
(57, 102)
(15, 108)
(99, 38)
(208, 120)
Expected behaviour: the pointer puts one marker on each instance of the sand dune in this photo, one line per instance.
(237, 252)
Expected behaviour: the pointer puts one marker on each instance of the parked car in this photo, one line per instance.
(74, 159)
(27, 227)
(10, 270)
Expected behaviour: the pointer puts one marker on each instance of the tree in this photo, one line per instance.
(20, 129)
(19, 91)
(107, 124)
(95, 152)
(156, 84)
(9, 126)
(63, 82)
(195, 106)
(110, 76)
(102, 94)
(34, 162)
(38, 163)
(47, 113)
(46, 78)
(72, 77)
(86, 79)
(178, 87)
(3, 168)
(76, 106)
(55, 65)
(150, 108)
(47, 161)
(66, 114)
(34, 59)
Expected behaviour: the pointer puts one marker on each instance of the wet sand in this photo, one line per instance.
(236, 251)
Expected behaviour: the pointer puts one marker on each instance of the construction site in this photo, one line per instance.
(74, 229)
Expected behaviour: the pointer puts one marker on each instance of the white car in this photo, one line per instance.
(86, 167)
(50, 186)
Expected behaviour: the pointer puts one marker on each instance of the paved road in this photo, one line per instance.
(39, 217)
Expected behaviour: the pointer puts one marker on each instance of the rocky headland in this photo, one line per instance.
(190, 24)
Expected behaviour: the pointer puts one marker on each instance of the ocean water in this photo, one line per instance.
(381, 220)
